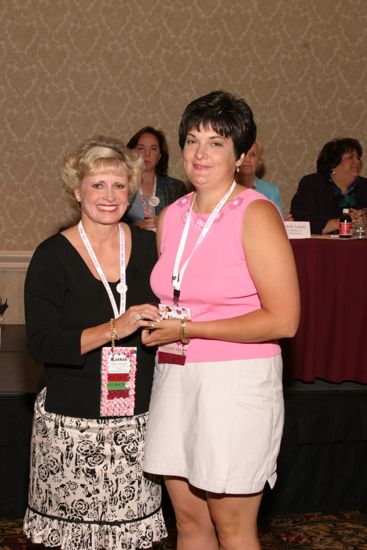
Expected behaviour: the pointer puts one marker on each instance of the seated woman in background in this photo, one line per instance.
(247, 176)
(320, 197)
(157, 189)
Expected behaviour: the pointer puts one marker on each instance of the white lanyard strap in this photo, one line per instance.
(178, 275)
(102, 276)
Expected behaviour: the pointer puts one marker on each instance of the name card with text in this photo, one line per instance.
(298, 230)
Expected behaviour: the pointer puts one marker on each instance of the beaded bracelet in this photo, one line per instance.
(184, 339)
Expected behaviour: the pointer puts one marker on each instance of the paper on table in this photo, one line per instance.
(298, 230)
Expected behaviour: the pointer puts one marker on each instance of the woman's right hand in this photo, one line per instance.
(139, 316)
(164, 332)
(136, 317)
(150, 223)
(331, 226)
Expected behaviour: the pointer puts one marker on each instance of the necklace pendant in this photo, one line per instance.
(121, 288)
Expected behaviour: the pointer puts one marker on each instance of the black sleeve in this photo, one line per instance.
(145, 256)
(305, 205)
(169, 190)
(45, 290)
(361, 193)
(181, 189)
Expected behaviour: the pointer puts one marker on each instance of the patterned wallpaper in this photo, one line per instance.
(72, 68)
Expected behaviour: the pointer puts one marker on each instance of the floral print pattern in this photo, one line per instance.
(87, 487)
(199, 220)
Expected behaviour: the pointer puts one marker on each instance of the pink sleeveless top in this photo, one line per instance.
(216, 283)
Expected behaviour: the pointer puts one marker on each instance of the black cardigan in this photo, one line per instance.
(62, 297)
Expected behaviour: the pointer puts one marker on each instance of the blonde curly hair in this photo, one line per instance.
(101, 154)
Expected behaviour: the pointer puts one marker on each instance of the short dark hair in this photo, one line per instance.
(228, 115)
(162, 166)
(332, 152)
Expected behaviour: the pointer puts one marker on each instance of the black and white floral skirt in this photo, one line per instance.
(87, 487)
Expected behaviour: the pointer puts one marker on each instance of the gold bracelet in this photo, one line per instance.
(184, 339)
(114, 335)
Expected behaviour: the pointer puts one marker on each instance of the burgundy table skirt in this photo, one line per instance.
(331, 342)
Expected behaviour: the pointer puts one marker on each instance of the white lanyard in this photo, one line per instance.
(153, 201)
(121, 287)
(177, 275)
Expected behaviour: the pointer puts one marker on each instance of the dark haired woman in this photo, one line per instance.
(228, 289)
(321, 197)
(157, 189)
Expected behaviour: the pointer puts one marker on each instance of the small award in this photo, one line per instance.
(174, 353)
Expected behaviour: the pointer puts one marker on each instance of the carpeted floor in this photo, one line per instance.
(342, 531)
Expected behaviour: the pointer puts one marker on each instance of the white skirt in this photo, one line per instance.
(217, 424)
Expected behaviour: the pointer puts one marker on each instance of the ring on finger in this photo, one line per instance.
(152, 325)
(138, 316)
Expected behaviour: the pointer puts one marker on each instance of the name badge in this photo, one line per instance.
(298, 230)
(118, 373)
(174, 353)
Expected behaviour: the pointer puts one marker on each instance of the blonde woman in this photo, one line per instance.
(87, 296)
(248, 176)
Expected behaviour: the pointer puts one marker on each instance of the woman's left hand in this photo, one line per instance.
(356, 214)
(162, 332)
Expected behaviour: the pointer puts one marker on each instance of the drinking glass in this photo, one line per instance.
(360, 226)
(364, 217)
